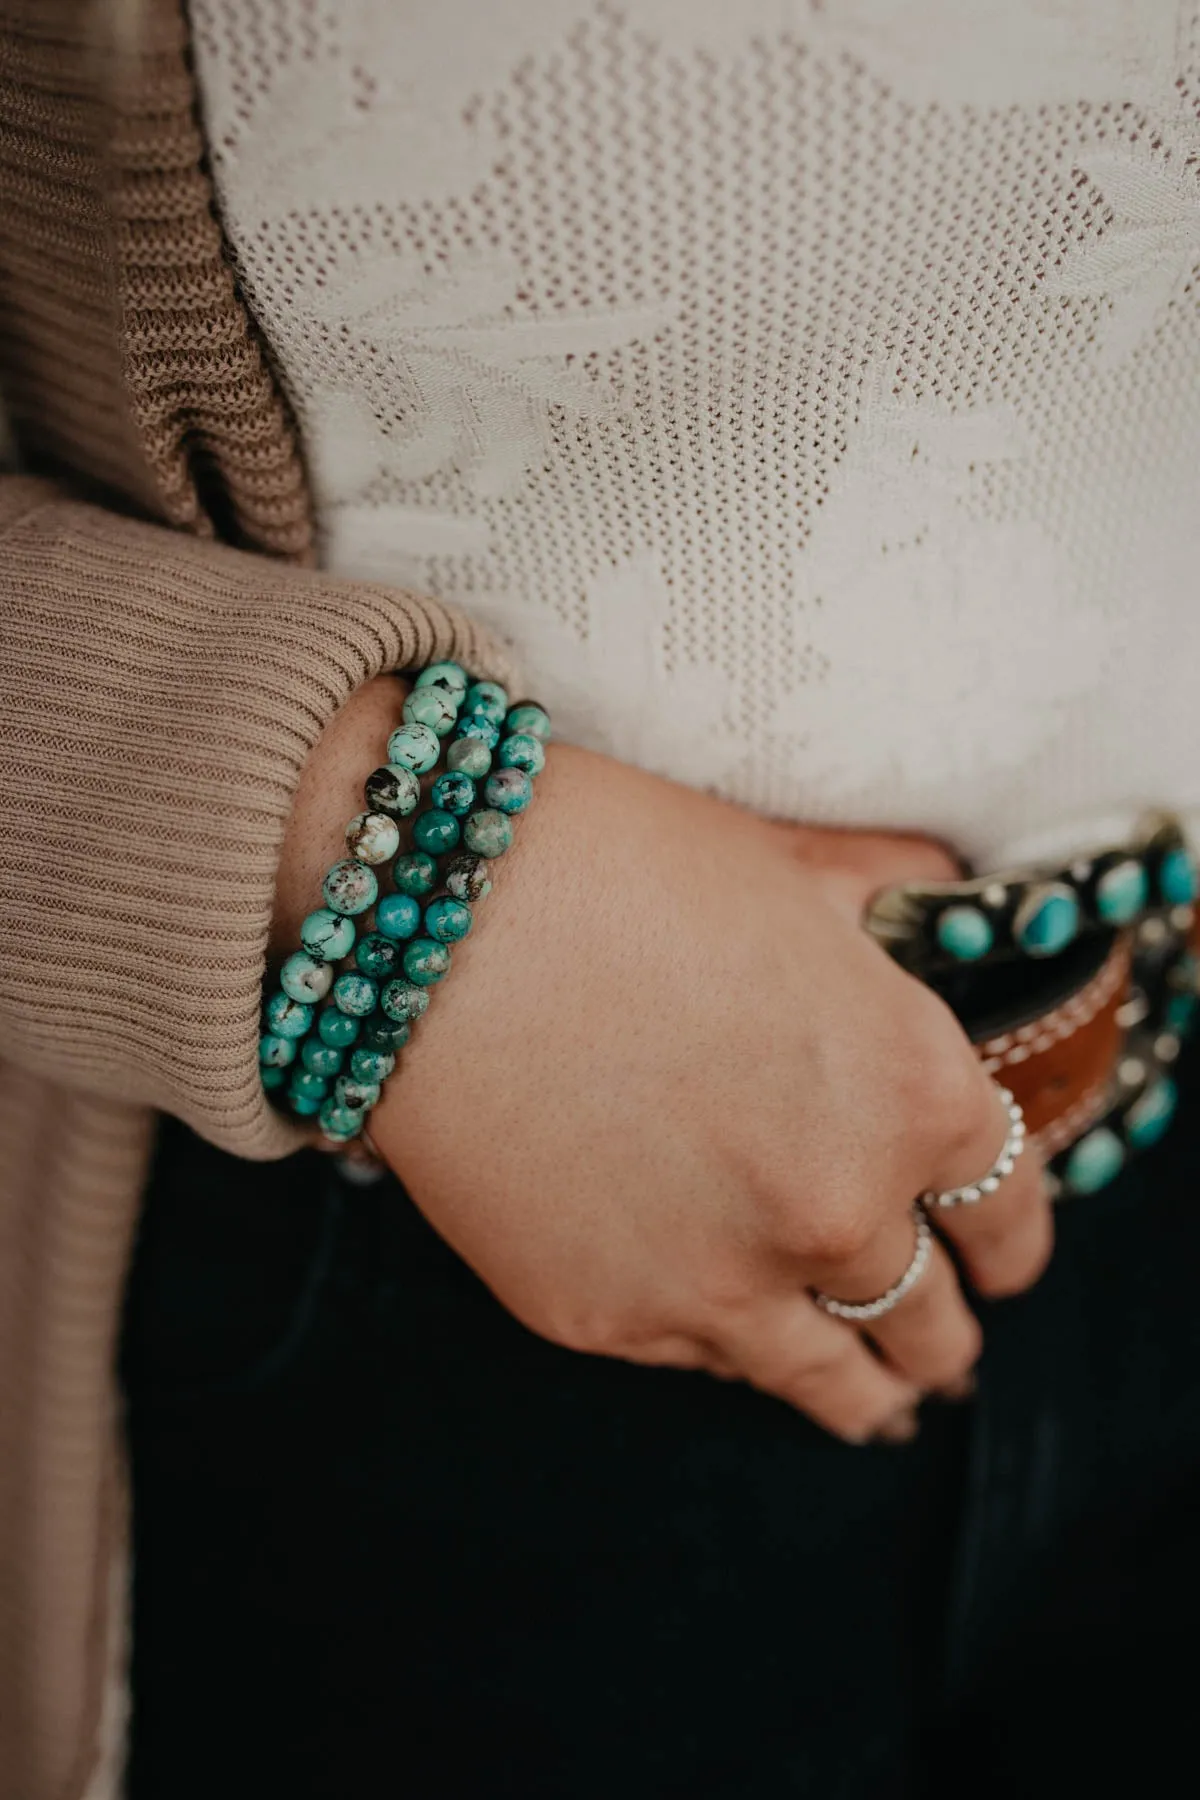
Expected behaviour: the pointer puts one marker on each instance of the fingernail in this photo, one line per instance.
(963, 1389)
(901, 1428)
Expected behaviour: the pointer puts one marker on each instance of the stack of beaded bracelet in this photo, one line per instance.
(382, 985)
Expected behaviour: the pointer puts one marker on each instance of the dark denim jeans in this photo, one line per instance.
(387, 1541)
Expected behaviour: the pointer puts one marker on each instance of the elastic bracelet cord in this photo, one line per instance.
(372, 985)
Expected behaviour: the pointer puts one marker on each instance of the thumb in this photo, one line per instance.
(854, 865)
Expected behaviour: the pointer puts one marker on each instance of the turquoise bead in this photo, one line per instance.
(287, 1017)
(436, 831)
(467, 878)
(530, 720)
(393, 790)
(397, 916)
(373, 837)
(383, 1034)
(426, 961)
(488, 833)
(449, 675)
(356, 995)
(350, 887)
(336, 1028)
(415, 874)
(485, 700)
(304, 1104)
(1177, 881)
(522, 752)
(304, 978)
(480, 731)
(339, 1121)
(371, 1065)
(403, 1001)
(432, 706)
(454, 792)
(1151, 1113)
(321, 1058)
(356, 1094)
(1094, 1161)
(469, 756)
(275, 1052)
(272, 1077)
(1047, 921)
(447, 920)
(378, 956)
(304, 1084)
(1122, 892)
(414, 747)
(509, 790)
(327, 935)
(1181, 1013)
(965, 933)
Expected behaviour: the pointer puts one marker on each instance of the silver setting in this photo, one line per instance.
(1001, 1169)
(862, 1312)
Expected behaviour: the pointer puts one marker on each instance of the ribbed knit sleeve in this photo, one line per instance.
(158, 697)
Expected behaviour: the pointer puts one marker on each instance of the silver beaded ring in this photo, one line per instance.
(1003, 1166)
(862, 1312)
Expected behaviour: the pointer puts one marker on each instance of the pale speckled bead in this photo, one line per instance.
(380, 1033)
(339, 1121)
(378, 956)
(415, 874)
(432, 706)
(337, 1028)
(404, 1001)
(397, 915)
(469, 756)
(485, 700)
(488, 833)
(436, 831)
(454, 793)
(449, 675)
(287, 1017)
(530, 720)
(355, 994)
(414, 747)
(391, 789)
(327, 935)
(350, 887)
(272, 1077)
(480, 730)
(356, 1094)
(304, 978)
(520, 751)
(426, 961)
(322, 1059)
(307, 1085)
(468, 877)
(448, 920)
(372, 837)
(371, 1065)
(275, 1052)
(508, 790)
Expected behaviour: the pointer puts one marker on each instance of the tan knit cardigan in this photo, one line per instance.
(159, 690)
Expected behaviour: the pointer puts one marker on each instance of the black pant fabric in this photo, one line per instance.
(387, 1540)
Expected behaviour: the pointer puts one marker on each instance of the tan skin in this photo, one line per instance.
(671, 1085)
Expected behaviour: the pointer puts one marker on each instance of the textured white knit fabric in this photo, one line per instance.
(809, 388)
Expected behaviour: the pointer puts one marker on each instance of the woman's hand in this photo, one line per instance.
(671, 1085)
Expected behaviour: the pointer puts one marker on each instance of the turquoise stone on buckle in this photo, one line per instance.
(1047, 920)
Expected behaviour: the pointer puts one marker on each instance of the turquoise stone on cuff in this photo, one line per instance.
(378, 956)
(356, 1094)
(965, 933)
(1151, 1113)
(371, 1065)
(275, 1052)
(436, 831)
(454, 793)
(321, 1058)
(469, 756)
(448, 920)
(272, 1077)
(414, 747)
(380, 1033)
(1047, 920)
(1094, 1161)
(404, 1001)
(522, 752)
(530, 720)
(397, 915)
(467, 877)
(355, 995)
(350, 887)
(339, 1121)
(393, 790)
(287, 1017)
(480, 730)
(426, 961)
(304, 1084)
(488, 833)
(1122, 892)
(485, 700)
(432, 706)
(336, 1028)
(304, 978)
(415, 874)
(1177, 880)
(508, 790)
(449, 675)
(327, 935)
(373, 837)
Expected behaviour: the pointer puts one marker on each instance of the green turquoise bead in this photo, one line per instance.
(436, 831)
(454, 792)
(426, 961)
(1094, 1161)
(378, 956)
(1177, 881)
(336, 1028)
(327, 935)
(479, 730)
(350, 887)
(356, 995)
(397, 916)
(448, 920)
(275, 1052)
(305, 1084)
(272, 1077)
(522, 752)
(384, 1034)
(356, 1094)
(508, 790)
(485, 700)
(432, 706)
(467, 878)
(304, 978)
(1181, 1013)
(371, 1065)
(488, 833)
(1122, 892)
(530, 720)
(287, 1017)
(321, 1058)
(392, 790)
(449, 675)
(414, 747)
(415, 874)
(403, 1001)
(373, 837)
(965, 933)
(339, 1121)
(469, 756)
(1047, 921)
(1151, 1113)
(305, 1105)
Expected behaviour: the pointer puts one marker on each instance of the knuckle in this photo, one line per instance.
(838, 1234)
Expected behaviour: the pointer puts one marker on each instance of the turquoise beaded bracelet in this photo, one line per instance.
(370, 1002)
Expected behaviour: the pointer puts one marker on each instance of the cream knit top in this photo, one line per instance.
(810, 389)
